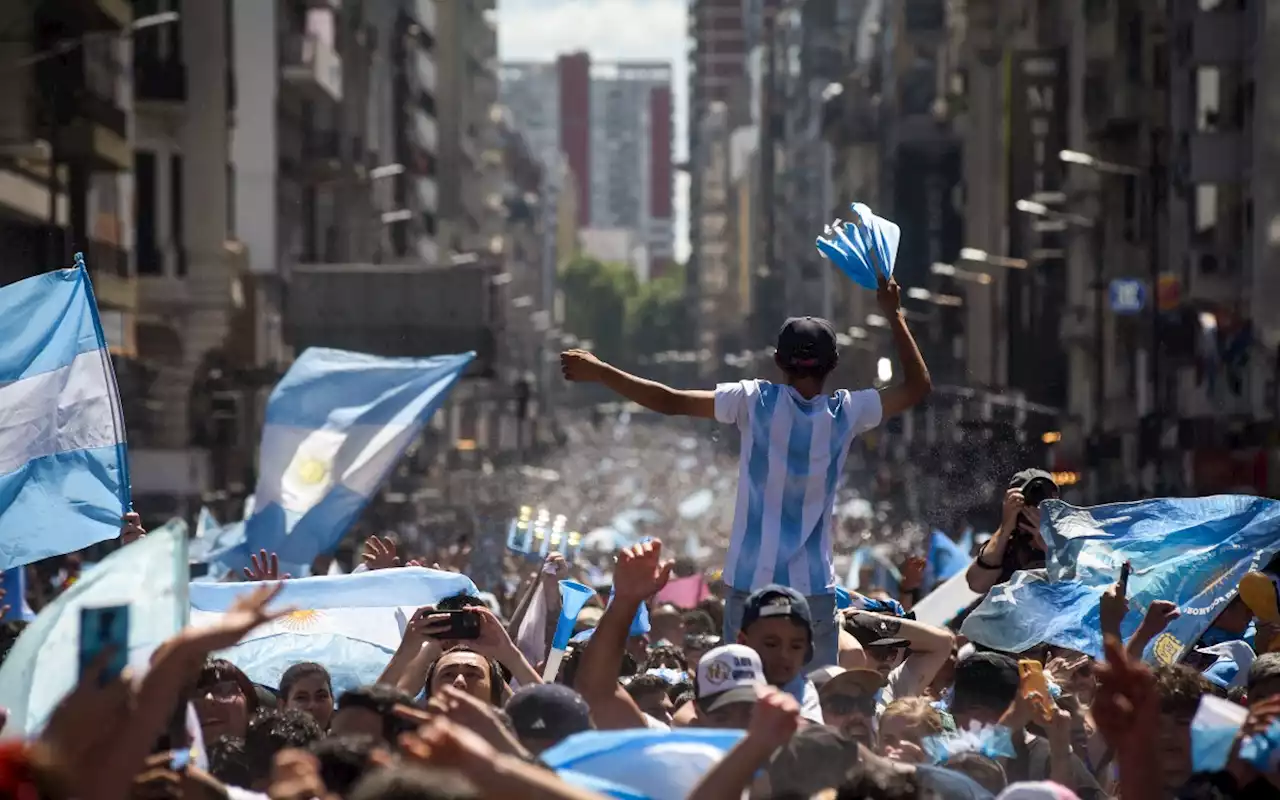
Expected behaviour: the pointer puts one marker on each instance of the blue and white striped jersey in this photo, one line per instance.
(793, 452)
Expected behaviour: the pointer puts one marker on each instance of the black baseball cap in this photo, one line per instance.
(873, 632)
(777, 601)
(807, 343)
(1035, 482)
(549, 712)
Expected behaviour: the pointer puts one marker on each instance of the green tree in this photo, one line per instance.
(658, 316)
(596, 296)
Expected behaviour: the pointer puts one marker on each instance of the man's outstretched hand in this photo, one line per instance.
(580, 366)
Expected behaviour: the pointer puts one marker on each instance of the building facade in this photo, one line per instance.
(612, 124)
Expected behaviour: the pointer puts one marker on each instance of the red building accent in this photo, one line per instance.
(575, 125)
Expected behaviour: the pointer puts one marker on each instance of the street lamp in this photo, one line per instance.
(951, 271)
(977, 256)
(1097, 164)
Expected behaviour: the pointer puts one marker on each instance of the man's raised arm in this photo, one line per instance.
(916, 383)
(581, 366)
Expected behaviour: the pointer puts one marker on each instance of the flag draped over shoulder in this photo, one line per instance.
(1191, 551)
(336, 425)
(149, 576)
(347, 623)
(64, 476)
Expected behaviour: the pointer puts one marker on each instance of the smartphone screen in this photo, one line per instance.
(101, 629)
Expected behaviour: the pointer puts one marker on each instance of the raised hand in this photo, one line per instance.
(443, 743)
(641, 572)
(1160, 614)
(380, 553)
(580, 366)
(131, 529)
(1114, 605)
(912, 573)
(888, 295)
(468, 712)
(493, 640)
(775, 717)
(1126, 707)
(264, 568)
(247, 612)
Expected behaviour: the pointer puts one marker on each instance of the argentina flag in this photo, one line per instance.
(149, 576)
(64, 477)
(1191, 551)
(336, 424)
(347, 623)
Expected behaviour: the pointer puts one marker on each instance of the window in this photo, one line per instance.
(1205, 212)
(144, 213)
(1208, 99)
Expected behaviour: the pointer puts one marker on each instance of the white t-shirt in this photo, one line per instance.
(792, 455)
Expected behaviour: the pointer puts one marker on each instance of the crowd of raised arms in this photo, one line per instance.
(1050, 661)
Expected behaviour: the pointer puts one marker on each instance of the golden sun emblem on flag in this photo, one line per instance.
(312, 471)
(300, 621)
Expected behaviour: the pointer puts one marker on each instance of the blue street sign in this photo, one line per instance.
(1128, 296)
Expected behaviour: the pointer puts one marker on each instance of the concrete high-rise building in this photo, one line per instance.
(466, 53)
(612, 123)
(1145, 311)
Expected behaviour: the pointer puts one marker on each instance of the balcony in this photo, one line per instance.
(313, 66)
(159, 80)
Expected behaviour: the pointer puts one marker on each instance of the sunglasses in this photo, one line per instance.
(884, 653)
(850, 704)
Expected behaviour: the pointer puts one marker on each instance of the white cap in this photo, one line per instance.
(730, 673)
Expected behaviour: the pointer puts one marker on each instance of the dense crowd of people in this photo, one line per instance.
(770, 680)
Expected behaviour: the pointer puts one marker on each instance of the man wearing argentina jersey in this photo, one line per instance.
(795, 438)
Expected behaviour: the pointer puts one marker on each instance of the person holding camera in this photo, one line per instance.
(1016, 544)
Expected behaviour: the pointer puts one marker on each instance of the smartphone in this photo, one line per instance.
(104, 628)
(463, 624)
(1033, 682)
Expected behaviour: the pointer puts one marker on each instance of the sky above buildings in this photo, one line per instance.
(540, 30)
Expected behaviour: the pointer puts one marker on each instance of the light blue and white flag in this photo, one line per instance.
(1191, 551)
(149, 576)
(336, 425)
(863, 249)
(215, 543)
(647, 763)
(883, 574)
(347, 623)
(64, 475)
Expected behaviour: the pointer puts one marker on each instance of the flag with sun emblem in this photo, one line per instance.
(1191, 551)
(336, 425)
(347, 623)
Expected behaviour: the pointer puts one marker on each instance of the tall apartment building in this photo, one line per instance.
(466, 53)
(1167, 111)
(64, 150)
(723, 35)
(268, 136)
(612, 122)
